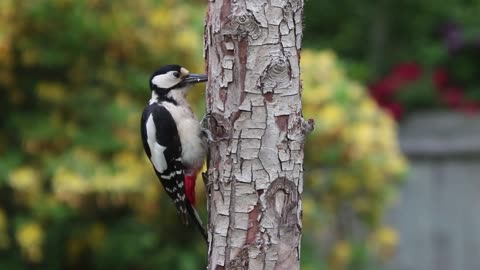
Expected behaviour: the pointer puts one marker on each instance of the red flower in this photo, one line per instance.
(407, 71)
(470, 107)
(392, 83)
(394, 109)
(440, 78)
(453, 97)
(384, 88)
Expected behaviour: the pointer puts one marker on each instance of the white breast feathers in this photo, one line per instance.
(193, 147)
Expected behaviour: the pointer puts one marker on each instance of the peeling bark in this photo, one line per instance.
(255, 170)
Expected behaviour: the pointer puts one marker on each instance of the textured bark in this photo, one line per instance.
(255, 171)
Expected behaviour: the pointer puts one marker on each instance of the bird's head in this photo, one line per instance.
(173, 77)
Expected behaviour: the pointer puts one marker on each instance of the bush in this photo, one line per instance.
(353, 166)
(76, 189)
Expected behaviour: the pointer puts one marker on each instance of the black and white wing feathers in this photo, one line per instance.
(162, 145)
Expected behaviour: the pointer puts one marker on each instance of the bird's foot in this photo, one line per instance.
(204, 124)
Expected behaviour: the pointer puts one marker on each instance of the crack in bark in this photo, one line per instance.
(231, 220)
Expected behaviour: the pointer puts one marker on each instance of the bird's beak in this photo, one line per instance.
(195, 78)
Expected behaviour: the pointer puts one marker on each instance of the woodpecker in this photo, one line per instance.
(171, 136)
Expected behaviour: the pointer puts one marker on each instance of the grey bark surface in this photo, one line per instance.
(255, 170)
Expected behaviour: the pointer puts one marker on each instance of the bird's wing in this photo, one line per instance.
(162, 145)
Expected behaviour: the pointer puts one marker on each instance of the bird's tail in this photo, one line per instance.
(196, 220)
(190, 194)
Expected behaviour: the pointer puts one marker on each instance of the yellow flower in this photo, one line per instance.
(308, 206)
(341, 254)
(332, 116)
(375, 179)
(51, 91)
(386, 240)
(85, 155)
(356, 92)
(345, 183)
(361, 136)
(30, 239)
(160, 17)
(367, 109)
(125, 181)
(319, 67)
(25, 179)
(396, 165)
(187, 40)
(124, 159)
(66, 181)
(318, 95)
(387, 236)
(100, 181)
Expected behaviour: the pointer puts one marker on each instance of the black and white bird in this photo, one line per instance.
(172, 139)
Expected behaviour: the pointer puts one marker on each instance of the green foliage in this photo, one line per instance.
(376, 36)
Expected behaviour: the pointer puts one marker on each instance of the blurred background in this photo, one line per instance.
(392, 167)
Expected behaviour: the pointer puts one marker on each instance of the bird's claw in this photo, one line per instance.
(207, 134)
(205, 127)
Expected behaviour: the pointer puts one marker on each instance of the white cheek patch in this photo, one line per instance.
(156, 150)
(165, 80)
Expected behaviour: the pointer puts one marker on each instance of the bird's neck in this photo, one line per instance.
(177, 96)
(154, 97)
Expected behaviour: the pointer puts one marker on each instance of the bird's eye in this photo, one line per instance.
(176, 74)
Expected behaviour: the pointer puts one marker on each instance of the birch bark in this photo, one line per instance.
(255, 170)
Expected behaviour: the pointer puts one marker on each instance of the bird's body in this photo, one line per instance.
(188, 128)
(171, 136)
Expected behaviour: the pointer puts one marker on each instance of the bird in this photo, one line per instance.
(172, 137)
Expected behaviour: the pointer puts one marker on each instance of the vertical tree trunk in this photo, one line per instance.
(255, 172)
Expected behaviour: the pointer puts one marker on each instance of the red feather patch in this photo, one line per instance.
(190, 187)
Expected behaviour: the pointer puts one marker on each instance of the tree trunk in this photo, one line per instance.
(255, 170)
